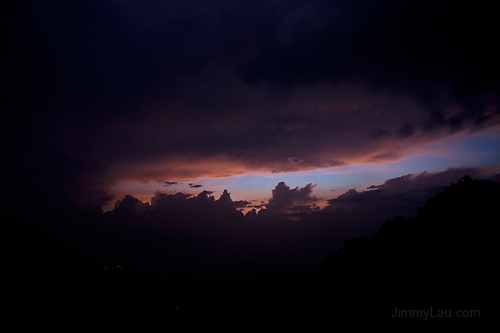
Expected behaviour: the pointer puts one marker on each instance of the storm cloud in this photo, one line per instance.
(106, 91)
(287, 200)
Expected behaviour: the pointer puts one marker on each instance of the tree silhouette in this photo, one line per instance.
(441, 258)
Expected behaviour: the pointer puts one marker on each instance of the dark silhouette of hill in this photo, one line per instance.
(442, 258)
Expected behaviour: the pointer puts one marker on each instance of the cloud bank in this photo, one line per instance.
(107, 91)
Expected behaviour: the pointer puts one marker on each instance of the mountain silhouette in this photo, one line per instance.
(442, 258)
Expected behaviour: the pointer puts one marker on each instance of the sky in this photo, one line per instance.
(289, 105)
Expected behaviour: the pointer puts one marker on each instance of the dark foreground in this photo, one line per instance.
(436, 265)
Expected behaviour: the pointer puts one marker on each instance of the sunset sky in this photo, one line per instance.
(109, 98)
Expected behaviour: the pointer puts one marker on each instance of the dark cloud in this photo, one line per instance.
(406, 131)
(103, 91)
(195, 186)
(287, 200)
(386, 40)
(203, 203)
(130, 203)
(295, 160)
(170, 183)
(226, 203)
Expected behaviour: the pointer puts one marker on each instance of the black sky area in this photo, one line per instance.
(95, 93)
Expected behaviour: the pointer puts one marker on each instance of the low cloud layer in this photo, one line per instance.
(287, 229)
(287, 200)
(203, 203)
(401, 195)
(396, 196)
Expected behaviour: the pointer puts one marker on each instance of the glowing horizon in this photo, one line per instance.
(332, 182)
